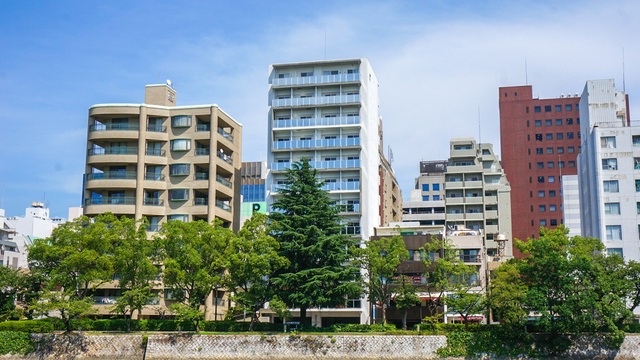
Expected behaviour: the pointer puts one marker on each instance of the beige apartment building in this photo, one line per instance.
(162, 161)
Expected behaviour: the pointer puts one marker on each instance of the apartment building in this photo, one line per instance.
(162, 161)
(539, 140)
(426, 201)
(327, 111)
(609, 169)
(478, 195)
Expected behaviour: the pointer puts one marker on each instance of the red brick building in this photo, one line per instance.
(539, 141)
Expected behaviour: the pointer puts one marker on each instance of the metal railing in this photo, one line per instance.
(226, 135)
(203, 127)
(114, 127)
(330, 164)
(224, 181)
(323, 121)
(320, 79)
(318, 143)
(316, 100)
(225, 157)
(155, 152)
(200, 201)
(222, 205)
(129, 150)
(156, 128)
(112, 175)
(153, 201)
(202, 151)
(116, 200)
(154, 176)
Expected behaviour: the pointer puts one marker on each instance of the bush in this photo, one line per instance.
(362, 327)
(29, 326)
(15, 342)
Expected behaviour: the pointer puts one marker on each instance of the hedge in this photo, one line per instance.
(15, 342)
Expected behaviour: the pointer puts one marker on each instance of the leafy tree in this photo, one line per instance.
(466, 303)
(280, 308)
(406, 297)
(321, 271)
(507, 295)
(9, 287)
(252, 259)
(194, 262)
(61, 304)
(381, 258)
(134, 256)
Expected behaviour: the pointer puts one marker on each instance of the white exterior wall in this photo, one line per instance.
(571, 204)
(36, 222)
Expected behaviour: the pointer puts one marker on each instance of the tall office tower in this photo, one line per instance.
(539, 141)
(609, 169)
(426, 202)
(162, 161)
(478, 195)
(327, 111)
(253, 176)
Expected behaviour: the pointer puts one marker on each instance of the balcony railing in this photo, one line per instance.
(325, 121)
(154, 228)
(345, 207)
(156, 128)
(321, 79)
(224, 181)
(154, 177)
(203, 127)
(203, 151)
(331, 164)
(112, 175)
(225, 157)
(201, 176)
(153, 201)
(114, 127)
(319, 143)
(200, 201)
(115, 200)
(223, 205)
(316, 100)
(470, 258)
(129, 150)
(155, 152)
(343, 185)
(226, 135)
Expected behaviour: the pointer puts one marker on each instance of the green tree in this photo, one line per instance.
(321, 271)
(406, 298)
(134, 257)
(9, 288)
(381, 258)
(194, 261)
(72, 263)
(252, 260)
(507, 295)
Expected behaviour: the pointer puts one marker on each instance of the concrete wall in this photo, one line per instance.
(257, 347)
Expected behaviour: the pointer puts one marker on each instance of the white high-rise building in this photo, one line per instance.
(609, 169)
(327, 111)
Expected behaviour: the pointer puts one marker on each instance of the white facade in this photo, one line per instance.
(426, 202)
(571, 204)
(13, 246)
(609, 169)
(327, 111)
(36, 221)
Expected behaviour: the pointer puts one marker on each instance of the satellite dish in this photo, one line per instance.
(169, 82)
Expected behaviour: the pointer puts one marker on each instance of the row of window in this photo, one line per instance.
(556, 108)
(552, 164)
(541, 179)
(543, 222)
(324, 72)
(435, 187)
(609, 142)
(549, 136)
(543, 208)
(551, 150)
(558, 122)
(434, 197)
(543, 193)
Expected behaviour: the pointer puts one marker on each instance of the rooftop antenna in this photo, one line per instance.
(479, 127)
(623, 82)
(526, 72)
(325, 44)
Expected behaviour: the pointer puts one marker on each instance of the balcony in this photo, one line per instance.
(202, 151)
(344, 185)
(116, 200)
(155, 152)
(203, 127)
(125, 150)
(114, 127)
(154, 177)
(470, 258)
(331, 164)
(319, 143)
(226, 135)
(316, 100)
(325, 121)
(310, 80)
(464, 168)
(225, 157)
(201, 202)
(223, 205)
(156, 128)
(112, 175)
(201, 176)
(345, 207)
(224, 181)
(153, 202)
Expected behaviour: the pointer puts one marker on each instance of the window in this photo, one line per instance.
(552, 208)
(540, 179)
(615, 251)
(558, 122)
(549, 136)
(425, 198)
(614, 232)
(569, 120)
(612, 208)
(558, 108)
(538, 137)
(541, 193)
(572, 163)
(549, 150)
(179, 217)
(561, 164)
(552, 193)
(550, 164)
(551, 179)
(436, 197)
(179, 169)
(353, 71)
(610, 164)
(560, 150)
(611, 186)
(570, 149)
(537, 109)
(354, 157)
(569, 135)
(543, 222)
(330, 72)
(179, 194)
(548, 122)
(542, 208)
(181, 121)
(636, 140)
(436, 187)
(306, 74)
(636, 163)
(537, 122)
(568, 107)
(559, 136)
(547, 108)
(638, 208)
(540, 165)
(539, 151)
(181, 145)
(553, 222)
(637, 185)
(608, 142)
(425, 187)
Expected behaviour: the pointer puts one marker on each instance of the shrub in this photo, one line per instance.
(28, 326)
(362, 328)
(15, 342)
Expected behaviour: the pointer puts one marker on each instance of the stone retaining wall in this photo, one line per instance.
(274, 347)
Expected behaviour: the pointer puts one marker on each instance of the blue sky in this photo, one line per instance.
(439, 64)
